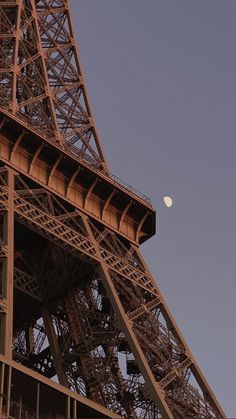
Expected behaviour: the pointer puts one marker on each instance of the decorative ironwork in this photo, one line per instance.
(41, 80)
(77, 301)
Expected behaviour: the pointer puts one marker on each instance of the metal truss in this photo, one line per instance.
(107, 332)
(76, 299)
(41, 81)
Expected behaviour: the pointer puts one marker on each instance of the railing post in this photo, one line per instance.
(2, 373)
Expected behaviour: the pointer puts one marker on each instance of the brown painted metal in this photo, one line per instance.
(100, 196)
(7, 274)
(85, 307)
(10, 405)
(42, 82)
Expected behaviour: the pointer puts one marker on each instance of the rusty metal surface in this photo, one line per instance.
(77, 301)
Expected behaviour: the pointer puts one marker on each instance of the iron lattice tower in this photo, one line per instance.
(77, 301)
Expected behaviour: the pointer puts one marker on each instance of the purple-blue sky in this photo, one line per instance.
(161, 80)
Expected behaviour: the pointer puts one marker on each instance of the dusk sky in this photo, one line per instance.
(161, 78)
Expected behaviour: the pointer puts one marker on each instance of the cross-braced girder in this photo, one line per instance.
(109, 334)
(86, 308)
(40, 77)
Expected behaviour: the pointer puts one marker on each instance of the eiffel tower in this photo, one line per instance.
(84, 329)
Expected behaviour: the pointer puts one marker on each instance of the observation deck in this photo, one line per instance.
(76, 178)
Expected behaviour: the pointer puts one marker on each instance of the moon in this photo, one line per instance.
(168, 201)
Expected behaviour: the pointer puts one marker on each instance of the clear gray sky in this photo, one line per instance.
(161, 76)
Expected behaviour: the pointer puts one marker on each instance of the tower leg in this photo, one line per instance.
(123, 320)
(7, 266)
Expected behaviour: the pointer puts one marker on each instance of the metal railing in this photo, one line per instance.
(97, 165)
(84, 158)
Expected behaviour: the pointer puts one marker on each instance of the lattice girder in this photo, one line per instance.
(86, 307)
(164, 367)
(40, 76)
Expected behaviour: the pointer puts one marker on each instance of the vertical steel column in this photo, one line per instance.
(2, 374)
(54, 348)
(37, 400)
(68, 413)
(74, 409)
(8, 391)
(7, 270)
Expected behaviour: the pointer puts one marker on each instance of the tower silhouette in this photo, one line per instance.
(84, 329)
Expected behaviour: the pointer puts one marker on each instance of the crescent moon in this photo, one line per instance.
(168, 201)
